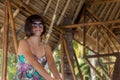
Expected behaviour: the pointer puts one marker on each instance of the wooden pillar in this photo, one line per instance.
(62, 54)
(69, 73)
(8, 14)
(5, 45)
(12, 26)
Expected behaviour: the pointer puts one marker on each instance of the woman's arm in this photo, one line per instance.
(51, 62)
(25, 50)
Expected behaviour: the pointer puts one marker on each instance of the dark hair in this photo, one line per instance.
(28, 24)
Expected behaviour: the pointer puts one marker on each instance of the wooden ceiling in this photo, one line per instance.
(96, 21)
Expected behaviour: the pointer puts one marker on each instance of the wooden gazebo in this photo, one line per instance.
(94, 24)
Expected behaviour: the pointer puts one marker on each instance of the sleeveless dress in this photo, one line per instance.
(26, 71)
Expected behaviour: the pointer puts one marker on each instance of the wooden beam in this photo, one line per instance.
(91, 23)
(102, 55)
(115, 27)
(28, 8)
(12, 26)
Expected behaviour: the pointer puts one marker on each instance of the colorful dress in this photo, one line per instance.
(26, 70)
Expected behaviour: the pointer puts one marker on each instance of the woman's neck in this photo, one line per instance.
(35, 40)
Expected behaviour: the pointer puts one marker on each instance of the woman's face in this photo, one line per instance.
(37, 28)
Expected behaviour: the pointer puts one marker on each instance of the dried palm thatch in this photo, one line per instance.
(95, 24)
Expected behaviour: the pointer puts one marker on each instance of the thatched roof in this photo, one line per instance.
(74, 14)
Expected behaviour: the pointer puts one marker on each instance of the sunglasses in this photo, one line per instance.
(37, 24)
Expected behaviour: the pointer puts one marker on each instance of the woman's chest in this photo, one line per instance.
(38, 51)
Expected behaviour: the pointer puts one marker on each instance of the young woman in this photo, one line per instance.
(33, 55)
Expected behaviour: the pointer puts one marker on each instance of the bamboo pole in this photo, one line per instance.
(102, 55)
(103, 70)
(12, 26)
(5, 45)
(110, 39)
(69, 59)
(106, 41)
(113, 43)
(47, 7)
(62, 57)
(97, 44)
(63, 12)
(80, 72)
(81, 3)
(28, 8)
(52, 23)
(94, 69)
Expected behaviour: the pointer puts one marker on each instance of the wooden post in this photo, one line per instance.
(12, 25)
(69, 59)
(62, 58)
(5, 39)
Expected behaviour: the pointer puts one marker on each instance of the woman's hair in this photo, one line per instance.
(28, 24)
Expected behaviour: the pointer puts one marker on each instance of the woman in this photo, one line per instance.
(33, 55)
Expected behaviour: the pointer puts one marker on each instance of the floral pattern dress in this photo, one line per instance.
(26, 70)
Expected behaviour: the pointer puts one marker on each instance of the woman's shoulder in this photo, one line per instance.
(47, 46)
(23, 41)
(22, 46)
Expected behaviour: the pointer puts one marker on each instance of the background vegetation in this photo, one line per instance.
(12, 61)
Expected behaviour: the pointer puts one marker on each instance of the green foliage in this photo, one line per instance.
(57, 58)
(11, 65)
(0, 62)
(78, 50)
